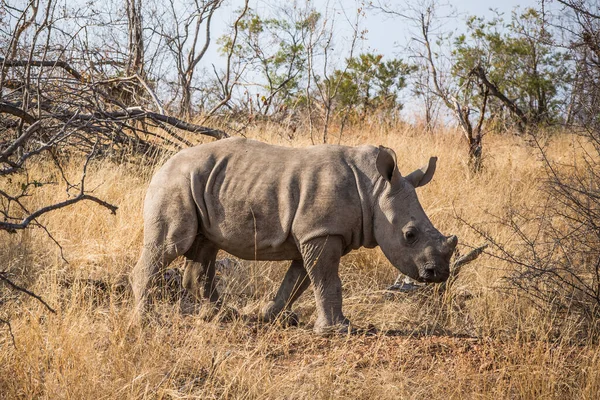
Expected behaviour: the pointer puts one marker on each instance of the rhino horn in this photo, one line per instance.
(423, 175)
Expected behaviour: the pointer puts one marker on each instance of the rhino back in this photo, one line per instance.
(258, 201)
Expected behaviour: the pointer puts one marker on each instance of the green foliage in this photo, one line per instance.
(274, 54)
(518, 58)
(370, 83)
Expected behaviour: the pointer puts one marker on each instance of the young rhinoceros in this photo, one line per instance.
(308, 205)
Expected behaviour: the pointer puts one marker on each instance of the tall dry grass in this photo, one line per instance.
(479, 341)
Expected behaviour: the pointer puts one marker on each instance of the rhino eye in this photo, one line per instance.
(410, 236)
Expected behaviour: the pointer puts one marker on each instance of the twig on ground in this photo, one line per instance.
(12, 336)
(27, 292)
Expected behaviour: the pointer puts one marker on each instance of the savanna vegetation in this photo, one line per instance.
(94, 98)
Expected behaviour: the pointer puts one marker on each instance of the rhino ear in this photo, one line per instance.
(422, 176)
(386, 163)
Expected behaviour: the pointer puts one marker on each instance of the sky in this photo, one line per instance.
(381, 27)
(385, 35)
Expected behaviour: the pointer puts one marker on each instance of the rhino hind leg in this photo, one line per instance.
(322, 259)
(200, 266)
(164, 239)
(151, 261)
(294, 283)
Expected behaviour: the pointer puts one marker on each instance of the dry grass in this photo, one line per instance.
(478, 342)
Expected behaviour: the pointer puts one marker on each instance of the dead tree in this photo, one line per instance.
(135, 61)
(52, 106)
(462, 110)
(187, 36)
(457, 98)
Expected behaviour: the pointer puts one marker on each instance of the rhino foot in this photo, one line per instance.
(344, 328)
(286, 317)
(338, 329)
(219, 311)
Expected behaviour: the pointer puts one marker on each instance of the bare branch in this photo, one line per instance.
(225, 86)
(12, 228)
(37, 63)
(139, 113)
(571, 4)
(8, 108)
(494, 91)
(20, 140)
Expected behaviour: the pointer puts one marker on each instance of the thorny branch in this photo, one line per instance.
(18, 288)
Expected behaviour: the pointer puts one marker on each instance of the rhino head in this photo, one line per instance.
(402, 229)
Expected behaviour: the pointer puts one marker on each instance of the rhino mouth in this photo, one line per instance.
(433, 273)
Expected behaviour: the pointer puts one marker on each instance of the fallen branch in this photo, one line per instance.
(467, 258)
(20, 140)
(47, 63)
(74, 99)
(142, 82)
(460, 263)
(7, 108)
(138, 113)
(129, 113)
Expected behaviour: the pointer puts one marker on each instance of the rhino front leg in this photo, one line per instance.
(294, 283)
(322, 260)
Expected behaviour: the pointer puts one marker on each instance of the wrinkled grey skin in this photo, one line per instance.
(310, 205)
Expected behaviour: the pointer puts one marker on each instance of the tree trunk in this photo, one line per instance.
(135, 61)
(185, 106)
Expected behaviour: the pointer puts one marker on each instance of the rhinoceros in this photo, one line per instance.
(308, 205)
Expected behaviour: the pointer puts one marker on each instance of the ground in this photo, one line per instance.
(480, 339)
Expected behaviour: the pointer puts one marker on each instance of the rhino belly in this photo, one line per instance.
(247, 251)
